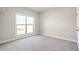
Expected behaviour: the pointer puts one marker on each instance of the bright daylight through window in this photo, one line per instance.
(24, 24)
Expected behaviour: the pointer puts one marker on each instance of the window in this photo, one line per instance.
(30, 24)
(20, 24)
(24, 24)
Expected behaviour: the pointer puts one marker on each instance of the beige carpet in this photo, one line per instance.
(39, 43)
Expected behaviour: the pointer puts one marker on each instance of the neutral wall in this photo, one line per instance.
(77, 9)
(8, 24)
(9, 21)
(59, 22)
(0, 25)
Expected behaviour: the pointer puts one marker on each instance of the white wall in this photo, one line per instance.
(78, 17)
(8, 24)
(0, 25)
(59, 22)
(9, 21)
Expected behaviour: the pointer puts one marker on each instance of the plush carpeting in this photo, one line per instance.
(39, 43)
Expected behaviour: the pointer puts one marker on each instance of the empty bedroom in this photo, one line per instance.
(39, 29)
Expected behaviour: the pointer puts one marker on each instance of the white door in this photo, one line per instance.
(77, 30)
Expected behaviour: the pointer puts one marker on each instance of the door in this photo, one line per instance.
(77, 30)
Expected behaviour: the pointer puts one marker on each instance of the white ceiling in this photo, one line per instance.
(40, 9)
(37, 9)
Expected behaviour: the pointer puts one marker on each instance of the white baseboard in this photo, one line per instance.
(12, 39)
(58, 37)
(17, 38)
(8, 40)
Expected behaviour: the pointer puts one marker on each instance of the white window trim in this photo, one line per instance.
(26, 34)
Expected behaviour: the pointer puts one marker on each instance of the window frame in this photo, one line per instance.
(30, 24)
(25, 25)
(20, 24)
